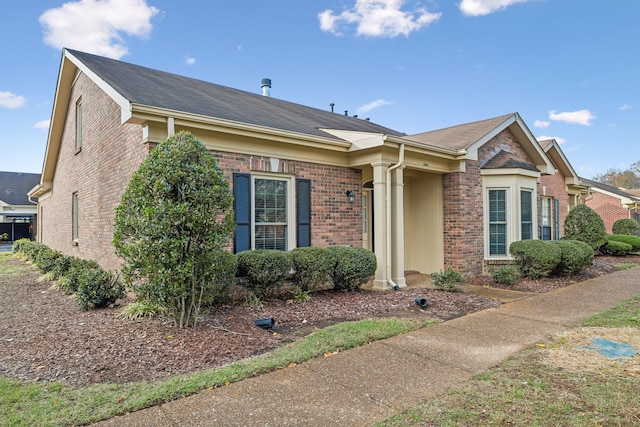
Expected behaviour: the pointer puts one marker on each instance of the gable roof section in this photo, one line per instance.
(560, 161)
(506, 160)
(471, 136)
(624, 195)
(148, 87)
(14, 187)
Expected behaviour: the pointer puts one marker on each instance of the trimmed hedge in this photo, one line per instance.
(354, 266)
(312, 267)
(536, 258)
(634, 241)
(584, 224)
(628, 226)
(574, 256)
(265, 270)
(615, 248)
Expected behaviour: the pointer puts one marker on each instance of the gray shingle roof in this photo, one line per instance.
(14, 187)
(610, 189)
(461, 136)
(506, 160)
(146, 86)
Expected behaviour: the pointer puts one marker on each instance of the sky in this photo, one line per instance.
(570, 68)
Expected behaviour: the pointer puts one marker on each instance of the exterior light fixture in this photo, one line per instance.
(350, 196)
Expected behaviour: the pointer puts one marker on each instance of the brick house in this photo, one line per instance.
(612, 203)
(456, 197)
(557, 193)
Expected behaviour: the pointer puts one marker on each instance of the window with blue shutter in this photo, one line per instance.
(242, 208)
(303, 215)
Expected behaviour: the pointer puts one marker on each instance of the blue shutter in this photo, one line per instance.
(303, 212)
(556, 219)
(242, 209)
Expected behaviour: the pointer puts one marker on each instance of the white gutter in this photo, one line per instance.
(388, 206)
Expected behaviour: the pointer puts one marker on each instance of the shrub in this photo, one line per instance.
(265, 269)
(447, 280)
(615, 248)
(61, 266)
(47, 259)
(573, 256)
(353, 267)
(626, 226)
(98, 288)
(174, 217)
(140, 309)
(634, 241)
(536, 258)
(584, 224)
(312, 267)
(505, 275)
(70, 282)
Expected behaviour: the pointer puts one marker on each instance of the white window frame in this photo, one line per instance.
(533, 212)
(291, 211)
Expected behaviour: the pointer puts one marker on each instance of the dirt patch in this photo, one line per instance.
(606, 351)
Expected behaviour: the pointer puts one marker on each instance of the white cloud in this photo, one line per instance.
(378, 18)
(11, 100)
(581, 117)
(557, 138)
(485, 7)
(42, 124)
(626, 107)
(190, 60)
(97, 26)
(373, 105)
(541, 124)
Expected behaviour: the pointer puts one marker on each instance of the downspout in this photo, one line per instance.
(388, 206)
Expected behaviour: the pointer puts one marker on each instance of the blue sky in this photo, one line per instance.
(571, 68)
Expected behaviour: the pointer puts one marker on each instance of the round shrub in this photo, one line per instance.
(47, 259)
(584, 224)
(505, 275)
(634, 241)
(536, 258)
(616, 248)
(626, 226)
(97, 288)
(70, 282)
(312, 267)
(353, 267)
(572, 257)
(265, 270)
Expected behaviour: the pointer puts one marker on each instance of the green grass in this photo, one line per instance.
(8, 269)
(53, 404)
(525, 391)
(625, 266)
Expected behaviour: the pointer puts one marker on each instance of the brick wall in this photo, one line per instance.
(99, 173)
(556, 189)
(463, 207)
(608, 207)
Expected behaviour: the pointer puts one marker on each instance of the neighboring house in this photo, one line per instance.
(612, 203)
(17, 212)
(452, 198)
(558, 193)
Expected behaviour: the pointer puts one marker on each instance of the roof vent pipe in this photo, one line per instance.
(265, 84)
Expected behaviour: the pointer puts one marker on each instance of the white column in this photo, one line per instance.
(380, 221)
(397, 227)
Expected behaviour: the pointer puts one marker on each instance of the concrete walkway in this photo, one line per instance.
(366, 385)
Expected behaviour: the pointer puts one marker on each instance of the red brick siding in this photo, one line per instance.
(99, 174)
(463, 207)
(556, 189)
(608, 207)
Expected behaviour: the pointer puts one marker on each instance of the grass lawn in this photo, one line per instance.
(559, 383)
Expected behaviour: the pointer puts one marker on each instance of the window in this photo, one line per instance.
(497, 222)
(545, 217)
(526, 215)
(74, 217)
(79, 124)
(270, 214)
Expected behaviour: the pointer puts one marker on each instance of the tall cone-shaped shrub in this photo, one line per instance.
(172, 223)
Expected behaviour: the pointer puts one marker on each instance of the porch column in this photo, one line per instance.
(380, 222)
(397, 227)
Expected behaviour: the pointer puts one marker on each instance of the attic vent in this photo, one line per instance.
(265, 84)
(9, 190)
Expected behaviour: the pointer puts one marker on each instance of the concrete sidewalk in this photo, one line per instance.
(369, 384)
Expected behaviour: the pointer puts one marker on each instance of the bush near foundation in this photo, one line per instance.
(615, 248)
(447, 280)
(536, 258)
(312, 267)
(575, 256)
(505, 275)
(354, 266)
(584, 224)
(628, 226)
(265, 270)
(634, 241)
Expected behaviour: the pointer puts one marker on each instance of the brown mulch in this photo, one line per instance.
(45, 337)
